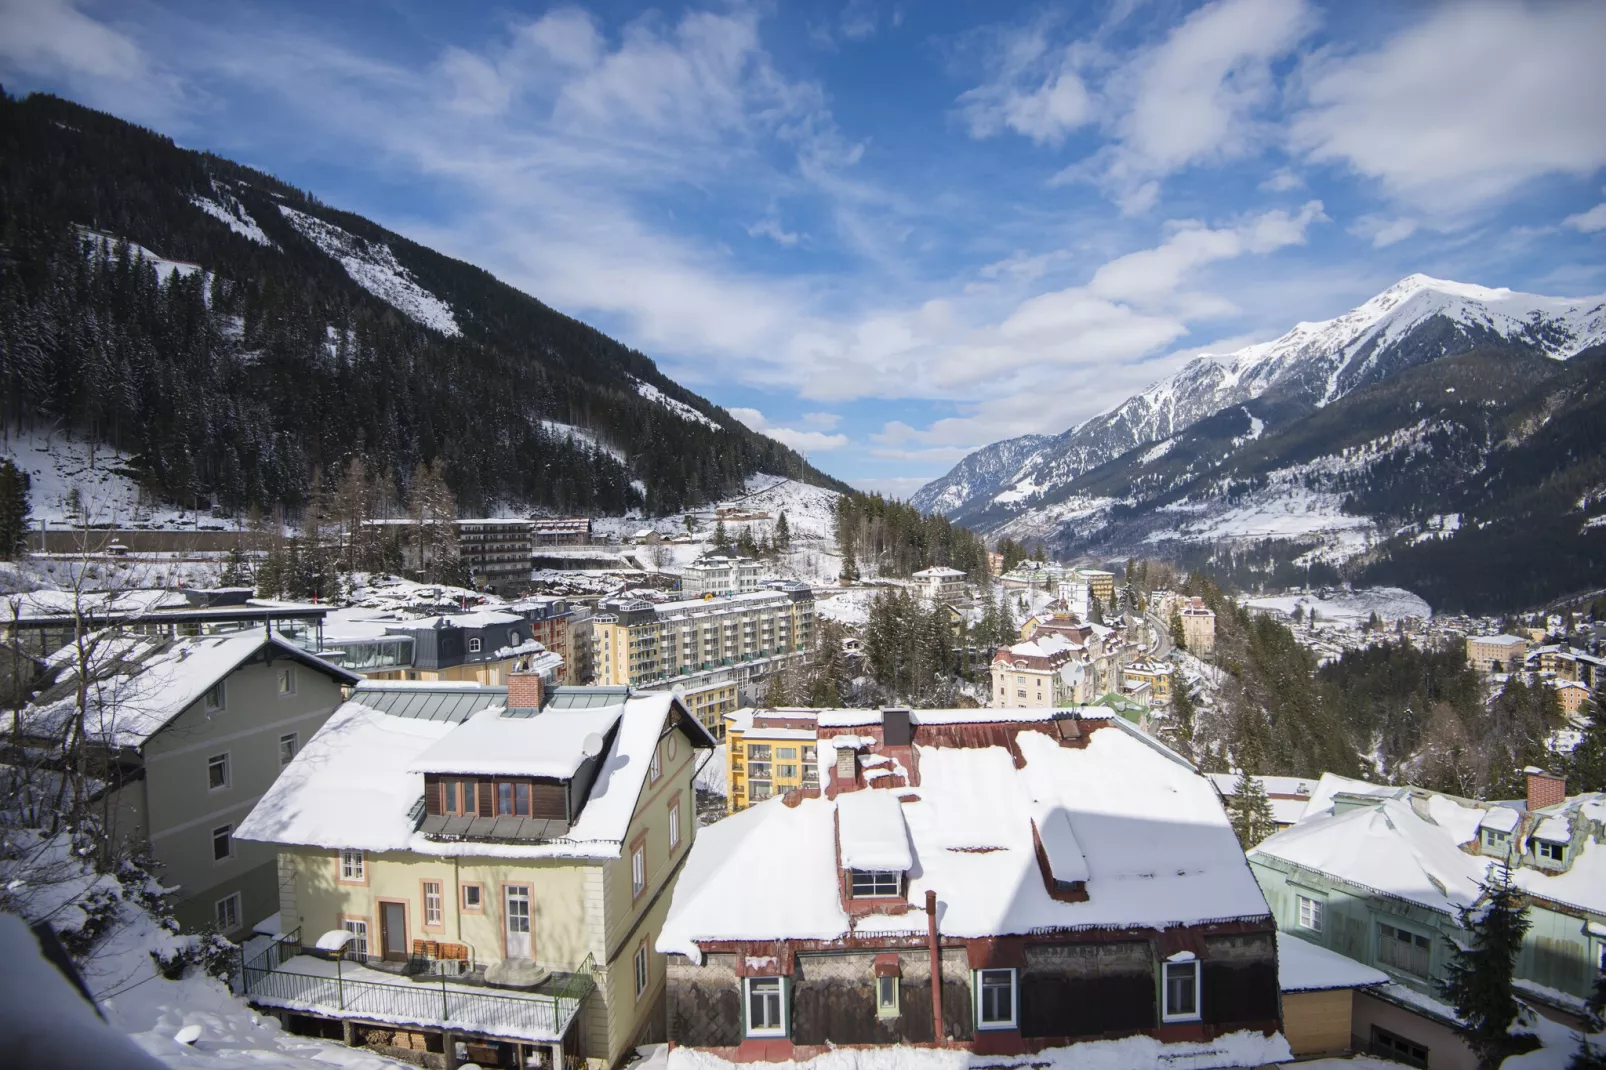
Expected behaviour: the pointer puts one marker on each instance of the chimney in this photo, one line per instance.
(525, 690)
(847, 768)
(1544, 789)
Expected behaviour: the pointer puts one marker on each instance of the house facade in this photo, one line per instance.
(769, 753)
(516, 848)
(1497, 653)
(939, 584)
(1198, 626)
(971, 880)
(1156, 674)
(718, 574)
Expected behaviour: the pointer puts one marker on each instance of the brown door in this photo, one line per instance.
(393, 931)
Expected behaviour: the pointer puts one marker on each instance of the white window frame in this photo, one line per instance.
(979, 984)
(216, 698)
(1312, 912)
(474, 644)
(286, 681)
(779, 984)
(641, 969)
(1545, 848)
(359, 928)
(214, 761)
(223, 908)
(513, 637)
(434, 903)
(1166, 1013)
(883, 1007)
(876, 879)
(655, 768)
(674, 824)
(353, 866)
(294, 739)
(228, 835)
(638, 871)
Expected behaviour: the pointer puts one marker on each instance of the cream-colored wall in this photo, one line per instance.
(181, 811)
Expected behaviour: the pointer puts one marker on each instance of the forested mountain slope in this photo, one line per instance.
(233, 334)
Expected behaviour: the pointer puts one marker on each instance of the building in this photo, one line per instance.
(1572, 696)
(1100, 583)
(769, 753)
(960, 880)
(1156, 674)
(1320, 989)
(720, 575)
(1377, 874)
(1044, 671)
(522, 838)
(1198, 626)
(711, 703)
(560, 530)
(1565, 663)
(1288, 795)
(496, 553)
(1497, 653)
(740, 638)
(188, 734)
(482, 647)
(939, 584)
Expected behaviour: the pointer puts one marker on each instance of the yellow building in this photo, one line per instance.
(710, 703)
(1156, 674)
(1497, 653)
(1198, 626)
(1100, 583)
(769, 753)
(426, 835)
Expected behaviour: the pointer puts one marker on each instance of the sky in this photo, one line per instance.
(888, 233)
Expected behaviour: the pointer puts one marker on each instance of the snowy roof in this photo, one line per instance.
(1155, 844)
(485, 618)
(1501, 818)
(353, 786)
(871, 831)
(1499, 640)
(1331, 784)
(1306, 967)
(140, 683)
(939, 572)
(550, 744)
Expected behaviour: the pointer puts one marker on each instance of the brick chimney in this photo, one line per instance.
(525, 690)
(1544, 789)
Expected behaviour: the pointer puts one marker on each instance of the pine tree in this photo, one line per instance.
(783, 532)
(1479, 986)
(722, 539)
(236, 572)
(1182, 712)
(14, 510)
(850, 568)
(1250, 811)
(1179, 638)
(1586, 766)
(1592, 1056)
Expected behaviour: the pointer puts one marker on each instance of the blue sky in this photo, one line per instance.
(891, 232)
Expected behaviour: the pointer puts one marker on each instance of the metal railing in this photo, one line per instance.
(267, 980)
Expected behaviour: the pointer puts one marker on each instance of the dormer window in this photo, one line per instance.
(875, 883)
(474, 644)
(1552, 852)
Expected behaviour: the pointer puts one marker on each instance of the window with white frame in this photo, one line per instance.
(655, 768)
(674, 824)
(1311, 913)
(638, 870)
(995, 999)
(1496, 837)
(641, 969)
(874, 883)
(766, 1011)
(1552, 852)
(287, 680)
(1181, 991)
(289, 743)
(359, 929)
(432, 902)
(217, 772)
(226, 913)
(222, 843)
(351, 866)
(886, 996)
(214, 697)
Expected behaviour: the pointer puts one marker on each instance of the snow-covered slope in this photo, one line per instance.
(674, 405)
(1415, 321)
(226, 208)
(374, 267)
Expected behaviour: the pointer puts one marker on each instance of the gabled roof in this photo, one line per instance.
(550, 744)
(140, 683)
(356, 783)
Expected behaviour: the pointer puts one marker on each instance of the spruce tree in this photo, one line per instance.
(1586, 766)
(1179, 638)
(1250, 811)
(14, 509)
(1479, 986)
(1590, 1055)
(783, 532)
(235, 573)
(722, 539)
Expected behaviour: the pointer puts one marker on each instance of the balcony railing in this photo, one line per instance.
(285, 975)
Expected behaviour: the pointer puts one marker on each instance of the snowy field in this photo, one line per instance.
(1347, 608)
(57, 465)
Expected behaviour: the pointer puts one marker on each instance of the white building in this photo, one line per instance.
(940, 584)
(720, 575)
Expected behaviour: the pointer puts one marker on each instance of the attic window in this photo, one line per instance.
(474, 645)
(875, 883)
(214, 697)
(1495, 837)
(1552, 852)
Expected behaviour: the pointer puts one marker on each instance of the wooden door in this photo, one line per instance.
(393, 931)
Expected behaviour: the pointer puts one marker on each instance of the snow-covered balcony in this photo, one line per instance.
(289, 977)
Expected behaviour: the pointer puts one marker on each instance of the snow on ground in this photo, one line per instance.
(674, 405)
(164, 267)
(1347, 608)
(375, 268)
(583, 437)
(850, 607)
(224, 207)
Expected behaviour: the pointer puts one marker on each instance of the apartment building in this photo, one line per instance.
(1100, 584)
(1198, 626)
(483, 647)
(1497, 653)
(711, 703)
(720, 575)
(939, 584)
(1042, 671)
(769, 753)
(496, 553)
(1155, 675)
(739, 639)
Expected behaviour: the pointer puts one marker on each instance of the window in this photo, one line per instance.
(504, 798)
(786, 752)
(214, 697)
(758, 752)
(217, 772)
(1552, 852)
(351, 866)
(1495, 837)
(521, 799)
(874, 883)
(474, 645)
(287, 680)
(886, 997)
(1398, 1048)
(289, 743)
(786, 772)
(674, 823)
(656, 768)
(472, 898)
(1181, 991)
(459, 797)
(765, 1014)
(432, 903)
(226, 912)
(1310, 913)
(995, 999)
(638, 870)
(1403, 950)
(357, 948)
(513, 637)
(222, 843)
(641, 969)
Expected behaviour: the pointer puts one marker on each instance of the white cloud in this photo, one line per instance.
(1588, 222)
(1282, 180)
(824, 421)
(1036, 91)
(1458, 111)
(802, 441)
(1382, 231)
(770, 227)
(101, 64)
(893, 486)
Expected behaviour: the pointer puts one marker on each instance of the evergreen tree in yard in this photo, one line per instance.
(1182, 711)
(783, 532)
(850, 568)
(722, 539)
(1590, 1055)
(1586, 766)
(1179, 638)
(1250, 811)
(1480, 981)
(14, 510)
(236, 573)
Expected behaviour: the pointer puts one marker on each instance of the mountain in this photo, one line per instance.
(1414, 322)
(232, 335)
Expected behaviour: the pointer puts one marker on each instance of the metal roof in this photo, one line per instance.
(584, 698)
(426, 703)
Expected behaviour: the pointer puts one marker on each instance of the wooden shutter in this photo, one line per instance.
(487, 807)
(434, 796)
